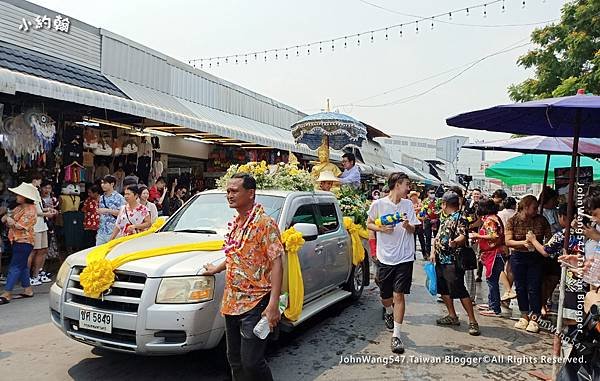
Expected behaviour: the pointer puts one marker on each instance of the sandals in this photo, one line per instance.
(448, 320)
(489, 313)
(4, 300)
(483, 307)
(24, 296)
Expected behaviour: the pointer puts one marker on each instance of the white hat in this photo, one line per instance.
(28, 191)
(327, 176)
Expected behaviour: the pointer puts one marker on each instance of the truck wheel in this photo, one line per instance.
(356, 283)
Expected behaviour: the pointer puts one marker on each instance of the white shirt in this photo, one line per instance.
(399, 246)
(40, 224)
(505, 214)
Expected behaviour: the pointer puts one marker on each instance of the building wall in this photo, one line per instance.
(81, 45)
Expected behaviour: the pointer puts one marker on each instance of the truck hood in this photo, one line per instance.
(181, 264)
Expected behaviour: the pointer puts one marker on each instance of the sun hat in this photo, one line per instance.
(327, 176)
(27, 190)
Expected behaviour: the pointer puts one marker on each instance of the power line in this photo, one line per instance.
(415, 96)
(367, 36)
(459, 24)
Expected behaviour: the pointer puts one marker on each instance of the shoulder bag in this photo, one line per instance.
(465, 256)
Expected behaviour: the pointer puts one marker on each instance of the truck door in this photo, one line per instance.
(335, 241)
(312, 254)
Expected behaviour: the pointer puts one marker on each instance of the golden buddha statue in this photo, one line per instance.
(324, 164)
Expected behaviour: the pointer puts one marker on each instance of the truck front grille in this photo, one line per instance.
(124, 295)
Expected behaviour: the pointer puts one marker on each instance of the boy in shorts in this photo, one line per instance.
(395, 252)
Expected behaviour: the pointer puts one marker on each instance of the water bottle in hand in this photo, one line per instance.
(262, 328)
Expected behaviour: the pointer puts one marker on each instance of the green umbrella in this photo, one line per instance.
(529, 169)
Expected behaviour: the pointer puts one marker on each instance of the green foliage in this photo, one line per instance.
(567, 55)
(353, 204)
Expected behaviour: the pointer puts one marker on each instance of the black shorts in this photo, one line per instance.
(394, 278)
(451, 281)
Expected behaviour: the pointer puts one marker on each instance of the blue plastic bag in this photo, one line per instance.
(431, 278)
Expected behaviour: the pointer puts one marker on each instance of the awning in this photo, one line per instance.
(151, 104)
(413, 175)
(376, 157)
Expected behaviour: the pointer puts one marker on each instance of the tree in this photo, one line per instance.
(567, 56)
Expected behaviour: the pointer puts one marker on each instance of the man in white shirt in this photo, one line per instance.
(395, 252)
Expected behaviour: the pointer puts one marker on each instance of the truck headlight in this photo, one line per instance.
(193, 289)
(63, 273)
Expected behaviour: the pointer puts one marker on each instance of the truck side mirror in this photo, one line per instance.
(309, 231)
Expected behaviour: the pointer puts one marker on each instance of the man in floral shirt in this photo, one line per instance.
(254, 273)
(110, 204)
(450, 278)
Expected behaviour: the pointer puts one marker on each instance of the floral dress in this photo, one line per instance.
(128, 217)
(491, 249)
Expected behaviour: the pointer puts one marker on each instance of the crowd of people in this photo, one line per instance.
(30, 219)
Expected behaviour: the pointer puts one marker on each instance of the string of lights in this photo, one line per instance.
(322, 46)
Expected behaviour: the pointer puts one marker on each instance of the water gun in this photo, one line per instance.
(391, 219)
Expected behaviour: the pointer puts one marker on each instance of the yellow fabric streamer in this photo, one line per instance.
(356, 233)
(99, 275)
(293, 241)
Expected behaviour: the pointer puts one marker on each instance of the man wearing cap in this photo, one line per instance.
(110, 204)
(327, 180)
(450, 278)
(395, 253)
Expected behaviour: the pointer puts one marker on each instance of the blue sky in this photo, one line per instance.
(194, 29)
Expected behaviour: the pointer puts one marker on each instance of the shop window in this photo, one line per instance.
(329, 218)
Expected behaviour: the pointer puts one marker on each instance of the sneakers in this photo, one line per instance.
(522, 323)
(397, 345)
(474, 329)
(448, 320)
(532, 327)
(35, 281)
(44, 278)
(508, 295)
(48, 275)
(388, 319)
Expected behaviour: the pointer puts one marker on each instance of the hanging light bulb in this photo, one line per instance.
(276, 55)
(503, 7)
(417, 27)
(386, 34)
(320, 47)
(484, 10)
(332, 45)
(449, 15)
(286, 54)
(432, 23)
(467, 11)
(297, 51)
(217, 62)
(308, 50)
(523, 4)
(345, 42)
(372, 37)
(226, 60)
(236, 60)
(255, 56)
(358, 40)
(400, 30)
(265, 53)
(246, 59)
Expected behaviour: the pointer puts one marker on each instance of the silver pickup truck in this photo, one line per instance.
(163, 306)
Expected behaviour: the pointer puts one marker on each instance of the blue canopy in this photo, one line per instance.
(545, 117)
(343, 130)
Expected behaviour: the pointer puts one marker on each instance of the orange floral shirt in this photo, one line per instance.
(25, 217)
(250, 251)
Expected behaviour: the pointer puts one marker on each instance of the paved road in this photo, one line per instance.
(30, 347)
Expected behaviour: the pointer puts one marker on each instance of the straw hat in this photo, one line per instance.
(27, 190)
(413, 193)
(327, 176)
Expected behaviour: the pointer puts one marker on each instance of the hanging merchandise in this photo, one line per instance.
(43, 127)
(20, 144)
(117, 146)
(130, 146)
(104, 144)
(91, 138)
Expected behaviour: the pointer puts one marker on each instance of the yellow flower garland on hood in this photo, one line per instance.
(98, 276)
(356, 233)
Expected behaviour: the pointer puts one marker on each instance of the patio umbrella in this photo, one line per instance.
(576, 116)
(341, 130)
(531, 169)
(540, 145)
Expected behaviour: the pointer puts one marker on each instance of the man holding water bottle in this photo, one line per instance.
(254, 272)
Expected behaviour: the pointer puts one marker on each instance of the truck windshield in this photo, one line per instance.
(210, 213)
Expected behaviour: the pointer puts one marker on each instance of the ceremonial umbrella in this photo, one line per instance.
(341, 130)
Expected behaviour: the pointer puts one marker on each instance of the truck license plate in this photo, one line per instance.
(95, 321)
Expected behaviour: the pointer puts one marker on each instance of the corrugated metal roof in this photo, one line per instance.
(40, 65)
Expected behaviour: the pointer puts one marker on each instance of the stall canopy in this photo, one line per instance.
(529, 169)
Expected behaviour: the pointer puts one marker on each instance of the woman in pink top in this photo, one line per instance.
(133, 217)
